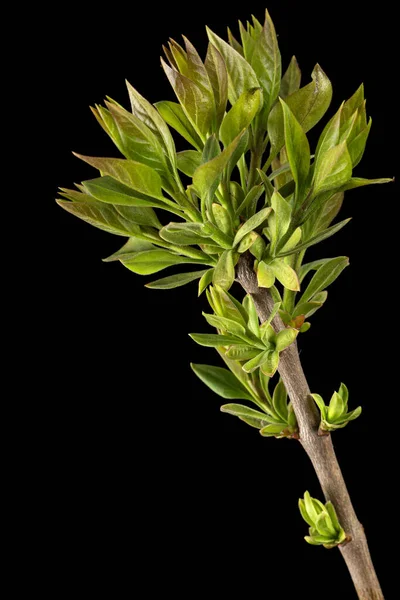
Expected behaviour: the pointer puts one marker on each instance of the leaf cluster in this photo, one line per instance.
(325, 528)
(336, 415)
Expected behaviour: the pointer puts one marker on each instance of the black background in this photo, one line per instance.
(151, 487)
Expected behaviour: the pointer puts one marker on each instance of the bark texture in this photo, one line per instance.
(319, 448)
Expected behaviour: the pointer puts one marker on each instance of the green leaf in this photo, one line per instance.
(135, 175)
(333, 170)
(109, 190)
(205, 280)
(293, 241)
(139, 141)
(270, 365)
(272, 430)
(279, 401)
(282, 217)
(297, 148)
(354, 414)
(333, 516)
(224, 271)
(129, 249)
(206, 178)
(308, 308)
(252, 223)
(221, 381)
(266, 62)
(329, 211)
(195, 100)
(357, 145)
(310, 508)
(238, 410)
(241, 115)
(184, 233)
(257, 249)
(146, 263)
(336, 407)
(265, 275)
(102, 216)
(304, 513)
(285, 274)
(325, 275)
(175, 116)
(250, 308)
(222, 218)
(216, 69)
(250, 199)
(242, 352)
(173, 281)
(319, 401)
(211, 149)
(188, 161)
(247, 242)
(344, 393)
(356, 182)
(324, 525)
(241, 76)
(256, 362)
(324, 235)
(225, 324)
(329, 137)
(150, 116)
(213, 340)
(285, 338)
(273, 312)
(308, 105)
(291, 80)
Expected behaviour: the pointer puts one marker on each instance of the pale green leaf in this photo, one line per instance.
(333, 169)
(173, 281)
(240, 115)
(285, 274)
(146, 263)
(174, 115)
(188, 161)
(221, 381)
(224, 271)
(325, 275)
(285, 338)
(251, 224)
(297, 148)
(291, 80)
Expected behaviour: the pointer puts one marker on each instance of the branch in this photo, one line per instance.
(319, 448)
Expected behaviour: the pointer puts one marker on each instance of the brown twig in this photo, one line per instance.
(319, 448)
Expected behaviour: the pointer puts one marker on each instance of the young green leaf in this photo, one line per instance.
(250, 308)
(321, 404)
(184, 233)
(297, 148)
(213, 340)
(266, 62)
(282, 217)
(250, 199)
(252, 223)
(256, 362)
(195, 100)
(222, 218)
(146, 263)
(242, 352)
(135, 175)
(174, 115)
(151, 117)
(323, 235)
(279, 401)
(188, 161)
(206, 178)
(270, 365)
(226, 324)
(205, 281)
(102, 216)
(356, 182)
(218, 76)
(285, 274)
(272, 430)
(109, 190)
(173, 281)
(344, 393)
(221, 381)
(291, 80)
(285, 338)
(238, 410)
(336, 407)
(241, 76)
(224, 271)
(241, 115)
(130, 249)
(265, 275)
(325, 275)
(333, 170)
